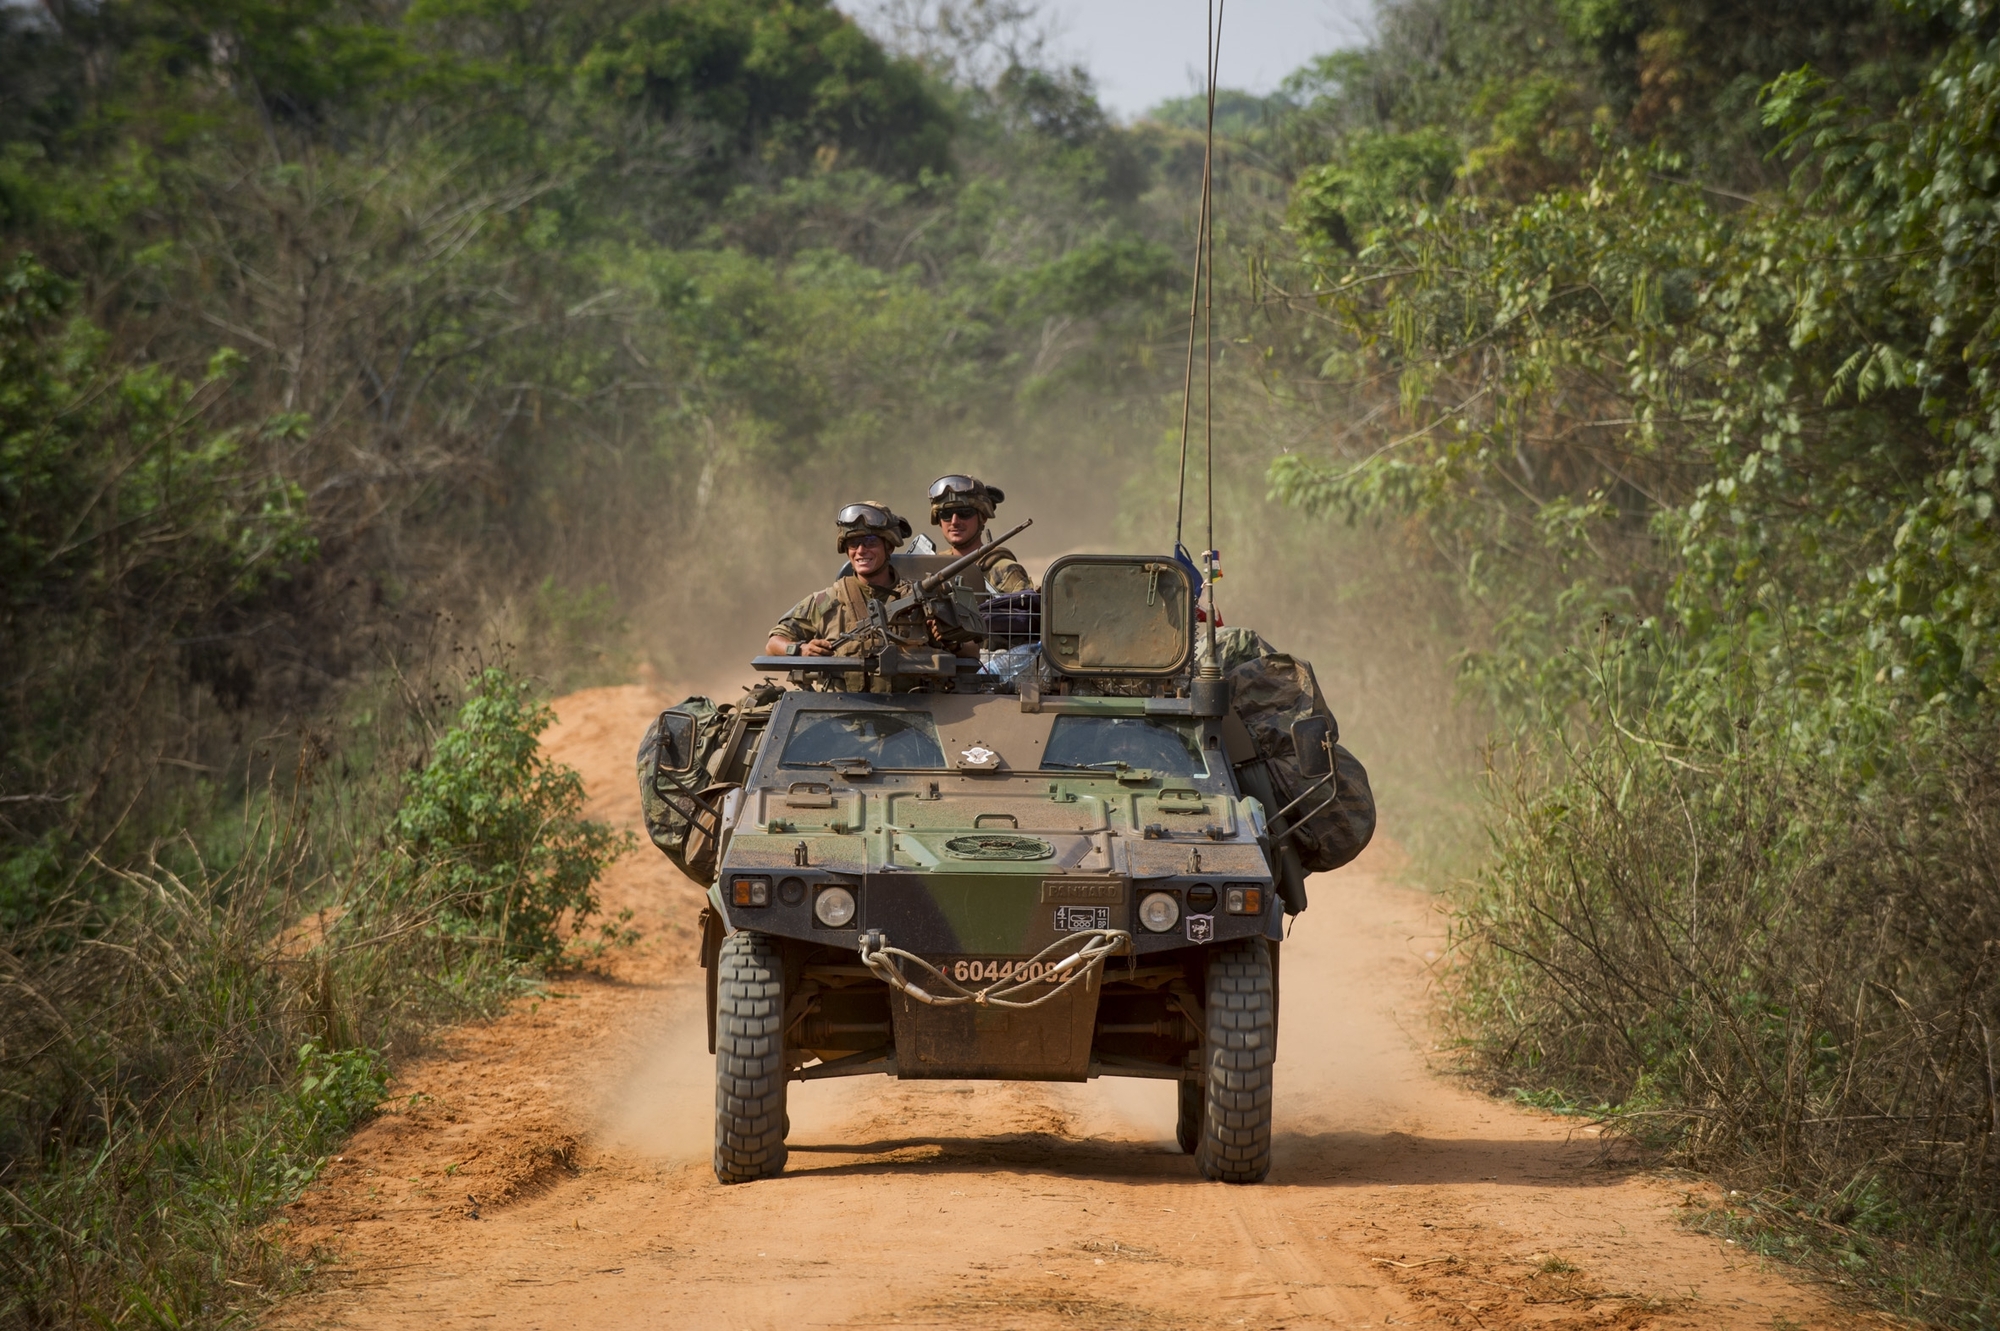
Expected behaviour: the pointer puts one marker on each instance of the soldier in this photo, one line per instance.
(961, 506)
(868, 532)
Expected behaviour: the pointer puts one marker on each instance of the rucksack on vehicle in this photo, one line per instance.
(1269, 691)
(691, 757)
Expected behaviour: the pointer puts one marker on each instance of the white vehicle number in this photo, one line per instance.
(971, 970)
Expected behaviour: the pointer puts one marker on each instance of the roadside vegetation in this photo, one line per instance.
(1606, 381)
(1671, 326)
(344, 344)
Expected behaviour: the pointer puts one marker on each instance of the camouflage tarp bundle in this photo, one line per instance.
(691, 757)
(672, 783)
(1269, 690)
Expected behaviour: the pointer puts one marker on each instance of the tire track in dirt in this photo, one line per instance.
(576, 1130)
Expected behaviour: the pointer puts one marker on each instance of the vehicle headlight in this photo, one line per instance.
(834, 907)
(1244, 898)
(1159, 911)
(751, 892)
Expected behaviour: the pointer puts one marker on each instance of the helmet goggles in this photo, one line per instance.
(865, 515)
(869, 518)
(945, 486)
(963, 494)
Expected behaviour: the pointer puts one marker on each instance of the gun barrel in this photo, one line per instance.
(963, 562)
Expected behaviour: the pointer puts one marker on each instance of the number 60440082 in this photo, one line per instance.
(969, 969)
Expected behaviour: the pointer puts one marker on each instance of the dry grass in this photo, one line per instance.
(1771, 973)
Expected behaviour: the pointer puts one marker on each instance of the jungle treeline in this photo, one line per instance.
(1671, 326)
(1625, 363)
(361, 363)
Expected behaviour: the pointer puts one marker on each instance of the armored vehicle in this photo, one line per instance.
(1064, 861)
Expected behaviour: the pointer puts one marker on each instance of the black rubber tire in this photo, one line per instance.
(750, 1071)
(1237, 1059)
(1187, 1128)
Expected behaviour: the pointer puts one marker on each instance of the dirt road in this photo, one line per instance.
(550, 1169)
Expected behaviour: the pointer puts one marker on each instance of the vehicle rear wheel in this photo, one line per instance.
(1237, 1059)
(1187, 1130)
(750, 1071)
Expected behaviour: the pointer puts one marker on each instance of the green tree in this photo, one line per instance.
(492, 834)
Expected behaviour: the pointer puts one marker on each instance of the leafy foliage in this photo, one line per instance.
(1716, 463)
(178, 1058)
(186, 520)
(492, 835)
(782, 81)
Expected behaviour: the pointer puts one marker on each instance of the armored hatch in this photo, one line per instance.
(1118, 616)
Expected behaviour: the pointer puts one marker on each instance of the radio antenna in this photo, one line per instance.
(1209, 553)
(1203, 252)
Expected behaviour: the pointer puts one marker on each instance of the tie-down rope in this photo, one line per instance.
(880, 957)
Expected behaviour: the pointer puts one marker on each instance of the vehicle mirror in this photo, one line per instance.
(677, 748)
(1117, 615)
(1313, 744)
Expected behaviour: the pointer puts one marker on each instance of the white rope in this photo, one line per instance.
(1097, 946)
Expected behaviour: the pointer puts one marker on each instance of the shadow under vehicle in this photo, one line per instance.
(1062, 863)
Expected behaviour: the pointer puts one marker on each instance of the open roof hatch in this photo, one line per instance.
(1117, 615)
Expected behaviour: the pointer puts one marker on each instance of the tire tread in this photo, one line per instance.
(750, 1071)
(1238, 1058)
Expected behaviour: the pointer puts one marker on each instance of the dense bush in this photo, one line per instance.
(1715, 462)
(181, 1049)
(491, 835)
(1774, 973)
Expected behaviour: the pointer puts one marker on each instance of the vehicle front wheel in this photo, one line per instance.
(750, 1071)
(1237, 1060)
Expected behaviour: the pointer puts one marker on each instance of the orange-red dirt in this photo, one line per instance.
(550, 1168)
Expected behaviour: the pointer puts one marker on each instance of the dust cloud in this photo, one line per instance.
(1368, 604)
(662, 1105)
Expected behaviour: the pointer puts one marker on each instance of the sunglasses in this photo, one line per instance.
(947, 513)
(858, 539)
(945, 485)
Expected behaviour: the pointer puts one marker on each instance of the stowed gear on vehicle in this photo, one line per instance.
(1071, 861)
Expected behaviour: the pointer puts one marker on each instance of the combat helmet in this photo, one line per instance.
(956, 491)
(870, 517)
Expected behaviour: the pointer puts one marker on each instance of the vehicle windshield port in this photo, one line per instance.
(1166, 748)
(870, 738)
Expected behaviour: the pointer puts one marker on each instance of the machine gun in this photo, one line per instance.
(932, 584)
(888, 651)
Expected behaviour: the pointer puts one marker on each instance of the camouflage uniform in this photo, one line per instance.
(845, 606)
(829, 612)
(1004, 572)
(997, 574)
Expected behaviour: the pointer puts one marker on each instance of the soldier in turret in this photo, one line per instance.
(961, 506)
(869, 531)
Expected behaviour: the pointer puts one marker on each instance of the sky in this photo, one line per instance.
(1142, 52)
